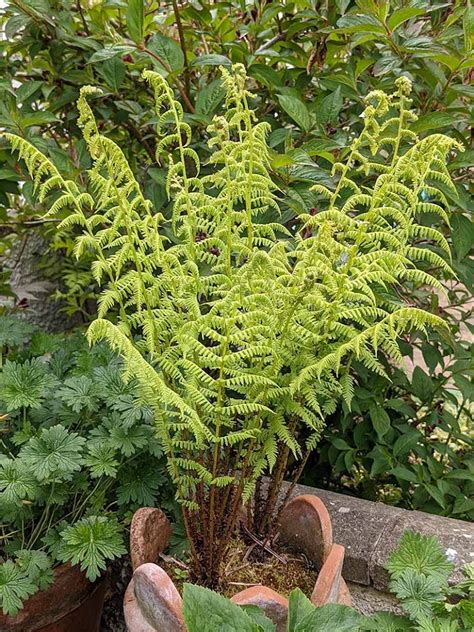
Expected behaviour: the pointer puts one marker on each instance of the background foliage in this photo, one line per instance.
(406, 438)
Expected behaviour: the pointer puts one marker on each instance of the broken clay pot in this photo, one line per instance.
(152, 603)
(71, 604)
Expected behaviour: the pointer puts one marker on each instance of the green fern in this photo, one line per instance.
(240, 334)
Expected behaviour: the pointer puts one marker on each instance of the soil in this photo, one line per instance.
(247, 566)
(120, 574)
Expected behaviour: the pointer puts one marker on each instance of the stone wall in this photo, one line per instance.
(370, 531)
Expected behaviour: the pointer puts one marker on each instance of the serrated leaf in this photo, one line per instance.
(15, 587)
(329, 109)
(422, 554)
(25, 384)
(91, 542)
(56, 452)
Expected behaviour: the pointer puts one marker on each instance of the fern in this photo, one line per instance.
(240, 334)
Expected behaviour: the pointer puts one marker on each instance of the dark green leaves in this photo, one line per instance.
(135, 19)
(328, 111)
(380, 420)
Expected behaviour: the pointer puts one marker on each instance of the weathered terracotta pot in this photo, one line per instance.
(152, 603)
(71, 604)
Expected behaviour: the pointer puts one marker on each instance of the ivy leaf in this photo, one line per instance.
(207, 611)
(91, 542)
(15, 587)
(54, 453)
(25, 384)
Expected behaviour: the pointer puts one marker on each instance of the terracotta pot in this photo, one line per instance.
(152, 603)
(71, 604)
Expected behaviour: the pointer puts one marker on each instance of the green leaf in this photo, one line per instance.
(298, 608)
(17, 482)
(206, 611)
(91, 542)
(209, 98)
(330, 617)
(114, 72)
(14, 332)
(422, 554)
(297, 110)
(55, 453)
(462, 235)
(168, 50)
(422, 384)
(330, 107)
(211, 60)
(257, 615)
(400, 16)
(385, 622)
(417, 593)
(25, 385)
(380, 419)
(468, 26)
(79, 393)
(27, 90)
(432, 120)
(406, 442)
(135, 20)
(15, 587)
(404, 474)
(38, 118)
(109, 52)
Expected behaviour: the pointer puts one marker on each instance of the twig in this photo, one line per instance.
(264, 546)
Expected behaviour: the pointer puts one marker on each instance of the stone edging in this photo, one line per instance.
(370, 531)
